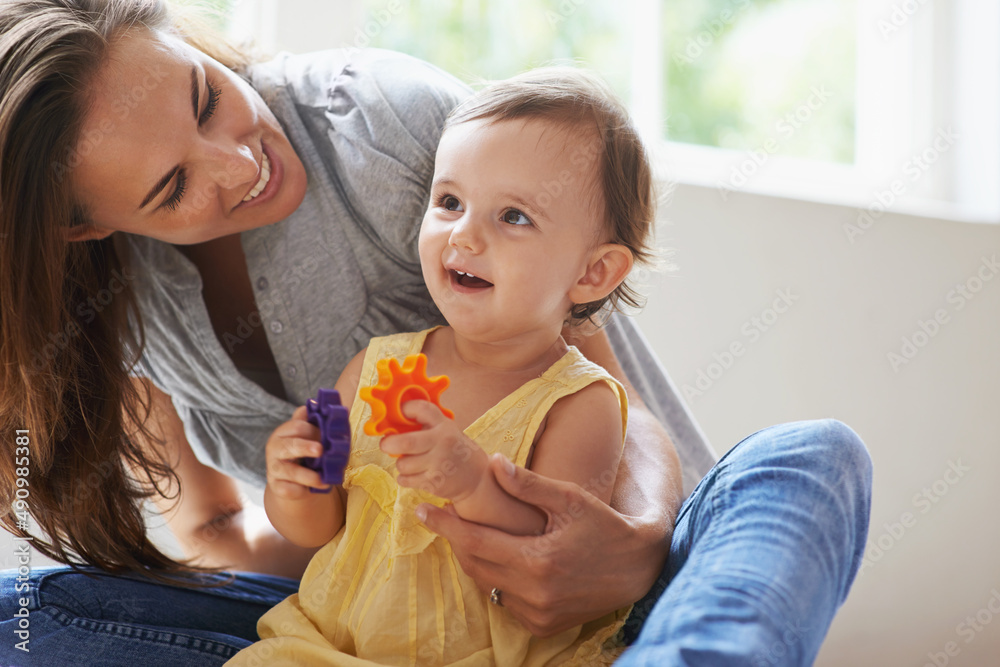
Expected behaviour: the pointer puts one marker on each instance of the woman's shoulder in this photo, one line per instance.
(370, 120)
(338, 79)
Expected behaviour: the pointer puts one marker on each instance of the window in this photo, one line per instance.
(486, 39)
(772, 74)
(877, 104)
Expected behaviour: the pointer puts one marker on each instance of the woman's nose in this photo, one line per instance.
(232, 164)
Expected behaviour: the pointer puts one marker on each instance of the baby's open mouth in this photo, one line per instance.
(469, 280)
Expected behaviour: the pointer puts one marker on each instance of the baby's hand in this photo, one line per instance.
(439, 459)
(296, 438)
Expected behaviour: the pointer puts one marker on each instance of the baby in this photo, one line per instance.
(541, 202)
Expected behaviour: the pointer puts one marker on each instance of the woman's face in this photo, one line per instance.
(177, 147)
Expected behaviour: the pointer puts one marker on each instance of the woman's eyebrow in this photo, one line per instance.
(162, 183)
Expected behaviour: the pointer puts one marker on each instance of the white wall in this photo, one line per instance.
(300, 26)
(827, 357)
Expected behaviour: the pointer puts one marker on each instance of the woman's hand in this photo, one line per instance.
(589, 561)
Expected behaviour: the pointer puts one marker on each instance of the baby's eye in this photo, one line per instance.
(514, 217)
(450, 203)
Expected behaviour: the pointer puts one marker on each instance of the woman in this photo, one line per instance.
(188, 254)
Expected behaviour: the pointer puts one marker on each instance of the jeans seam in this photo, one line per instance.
(139, 633)
(221, 592)
(51, 580)
(712, 476)
(719, 503)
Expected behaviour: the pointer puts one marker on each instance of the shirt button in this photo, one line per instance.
(291, 371)
(276, 326)
(262, 283)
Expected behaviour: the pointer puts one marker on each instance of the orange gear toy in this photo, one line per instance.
(397, 385)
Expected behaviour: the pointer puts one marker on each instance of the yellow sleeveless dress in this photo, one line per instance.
(388, 591)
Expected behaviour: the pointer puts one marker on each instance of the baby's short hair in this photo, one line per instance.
(570, 96)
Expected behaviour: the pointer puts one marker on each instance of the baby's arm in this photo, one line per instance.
(581, 443)
(302, 517)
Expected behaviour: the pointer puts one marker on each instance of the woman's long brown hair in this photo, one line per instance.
(66, 344)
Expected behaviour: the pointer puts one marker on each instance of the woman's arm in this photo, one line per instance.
(596, 559)
(212, 520)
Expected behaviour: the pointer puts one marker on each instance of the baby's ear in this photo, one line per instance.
(86, 232)
(609, 265)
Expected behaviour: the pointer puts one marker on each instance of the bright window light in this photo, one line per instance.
(777, 75)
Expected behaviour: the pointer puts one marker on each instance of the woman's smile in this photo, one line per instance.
(272, 173)
(265, 176)
(196, 156)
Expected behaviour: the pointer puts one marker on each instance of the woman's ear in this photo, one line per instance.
(86, 232)
(609, 265)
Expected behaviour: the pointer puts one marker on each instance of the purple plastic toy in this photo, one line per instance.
(326, 412)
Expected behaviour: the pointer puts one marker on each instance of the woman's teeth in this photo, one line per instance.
(265, 176)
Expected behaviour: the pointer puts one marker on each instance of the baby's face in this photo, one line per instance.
(514, 216)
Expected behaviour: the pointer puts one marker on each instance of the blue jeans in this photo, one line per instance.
(763, 554)
(76, 619)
